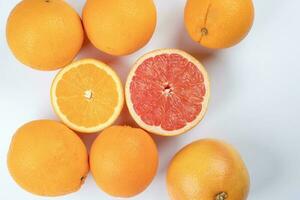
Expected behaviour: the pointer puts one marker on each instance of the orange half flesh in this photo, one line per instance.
(87, 95)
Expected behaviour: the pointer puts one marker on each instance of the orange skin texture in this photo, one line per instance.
(123, 160)
(119, 27)
(47, 158)
(44, 35)
(206, 168)
(227, 22)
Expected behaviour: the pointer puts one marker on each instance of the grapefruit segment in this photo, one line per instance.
(167, 92)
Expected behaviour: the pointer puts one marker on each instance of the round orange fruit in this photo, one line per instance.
(44, 34)
(119, 27)
(167, 92)
(87, 95)
(207, 170)
(218, 23)
(47, 158)
(123, 160)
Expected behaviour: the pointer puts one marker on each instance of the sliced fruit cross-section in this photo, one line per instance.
(167, 92)
(87, 95)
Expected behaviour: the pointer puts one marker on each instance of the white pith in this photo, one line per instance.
(88, 94)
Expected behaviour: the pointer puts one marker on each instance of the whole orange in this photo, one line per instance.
(207, 170)
(47, 158)
(119, 27)
(44, 34)
(123, 160)
(218, 23)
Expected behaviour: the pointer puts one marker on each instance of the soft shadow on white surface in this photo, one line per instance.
(266, 171)
(166, 146)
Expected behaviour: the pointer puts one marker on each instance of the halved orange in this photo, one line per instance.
(87, 95)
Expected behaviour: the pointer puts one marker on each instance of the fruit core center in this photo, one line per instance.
(88, 94)
(167, 89)
(222, 196)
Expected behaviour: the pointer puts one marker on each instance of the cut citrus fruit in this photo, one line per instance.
(87, 95)
(167, 92)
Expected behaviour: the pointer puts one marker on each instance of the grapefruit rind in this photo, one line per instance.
(158, 129)
(117, 109)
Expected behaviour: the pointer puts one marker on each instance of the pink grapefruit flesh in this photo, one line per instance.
(167, 92)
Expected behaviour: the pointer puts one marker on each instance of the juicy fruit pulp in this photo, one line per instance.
(123, 160)
(87, 95)
(44, 35)
(119, 27)
(208, 170)
(167, 92)
(218, 23)
(47, 158)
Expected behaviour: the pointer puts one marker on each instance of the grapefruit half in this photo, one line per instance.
(167, 92)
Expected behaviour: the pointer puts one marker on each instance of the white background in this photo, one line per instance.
(254, 102)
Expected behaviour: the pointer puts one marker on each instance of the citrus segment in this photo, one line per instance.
(167, 91)
(87, 95)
